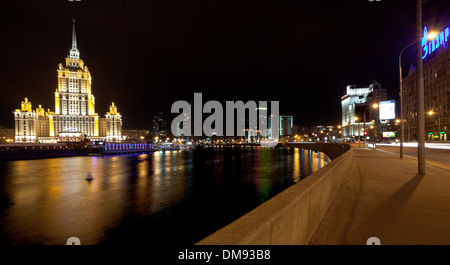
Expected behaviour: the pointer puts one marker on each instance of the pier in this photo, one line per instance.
(121, 148)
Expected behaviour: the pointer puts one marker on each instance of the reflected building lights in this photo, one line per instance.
(60, 201)
(297, 164)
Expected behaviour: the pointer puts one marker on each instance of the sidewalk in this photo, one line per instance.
(384, 197)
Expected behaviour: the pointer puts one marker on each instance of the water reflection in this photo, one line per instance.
(169, 197)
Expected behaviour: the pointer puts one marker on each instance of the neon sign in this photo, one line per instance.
(441, 40)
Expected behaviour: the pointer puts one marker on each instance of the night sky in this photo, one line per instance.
(145, 55)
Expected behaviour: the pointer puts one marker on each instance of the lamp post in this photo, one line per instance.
(374, 106)
(374, 135)
(372, 127)
(397, 123)
(340, 132)
(420, 93)
(402, 128)
(347, 125)
(431, 35)
(359, 138)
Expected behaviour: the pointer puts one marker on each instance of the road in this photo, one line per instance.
(434, 156)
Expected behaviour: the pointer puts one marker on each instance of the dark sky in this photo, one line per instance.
(145, 55)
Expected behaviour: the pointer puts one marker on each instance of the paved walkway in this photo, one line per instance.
(384, 197)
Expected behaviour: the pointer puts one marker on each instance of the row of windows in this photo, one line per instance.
(76, 118)
(75, 97)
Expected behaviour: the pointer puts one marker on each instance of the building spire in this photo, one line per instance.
(74, 52)
(74, 36)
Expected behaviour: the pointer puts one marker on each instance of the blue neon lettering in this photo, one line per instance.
(433, 45)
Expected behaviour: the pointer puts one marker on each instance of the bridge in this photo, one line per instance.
(362, 193)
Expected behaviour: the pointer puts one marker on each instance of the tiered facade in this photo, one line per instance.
(74, 117)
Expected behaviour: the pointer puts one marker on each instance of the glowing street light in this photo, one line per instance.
(374, 106)
(431, 113)
(432, 35)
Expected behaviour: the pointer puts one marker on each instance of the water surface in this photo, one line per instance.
(176, 197)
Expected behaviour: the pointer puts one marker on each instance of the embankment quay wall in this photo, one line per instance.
(290, 217)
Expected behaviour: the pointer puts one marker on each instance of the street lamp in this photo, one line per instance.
(374, 106)
(431, 113)
(359, 136)
(431, 35)
(347, 124)
(340, 132)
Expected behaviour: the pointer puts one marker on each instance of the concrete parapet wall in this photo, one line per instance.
(290, 217)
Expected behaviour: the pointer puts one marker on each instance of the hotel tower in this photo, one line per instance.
(74, 117)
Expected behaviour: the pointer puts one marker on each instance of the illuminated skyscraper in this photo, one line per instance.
(286, 123)
(74, 117)
(159, 125)
(74, 102)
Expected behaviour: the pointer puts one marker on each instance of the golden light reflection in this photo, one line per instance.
(142, 167)
(316, 161)
(157, 163)
(57, 201)
(51, 199)
(296, 165)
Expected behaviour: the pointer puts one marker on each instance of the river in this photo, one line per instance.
(160, 198)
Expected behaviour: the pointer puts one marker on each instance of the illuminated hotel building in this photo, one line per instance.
(74, 117)
(113, 122)
(436, 73)
(354, 104)
(25, 120)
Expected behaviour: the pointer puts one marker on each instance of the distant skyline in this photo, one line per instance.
(145, 55)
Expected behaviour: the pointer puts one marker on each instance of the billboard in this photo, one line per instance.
(387, 110)
(388, 134)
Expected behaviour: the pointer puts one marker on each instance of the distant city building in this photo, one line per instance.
(319, 133)
(286, 124)
(6, 135)
(436, 72)
(355, 104)
(135, 134)
(74, 117)
(159, 125)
